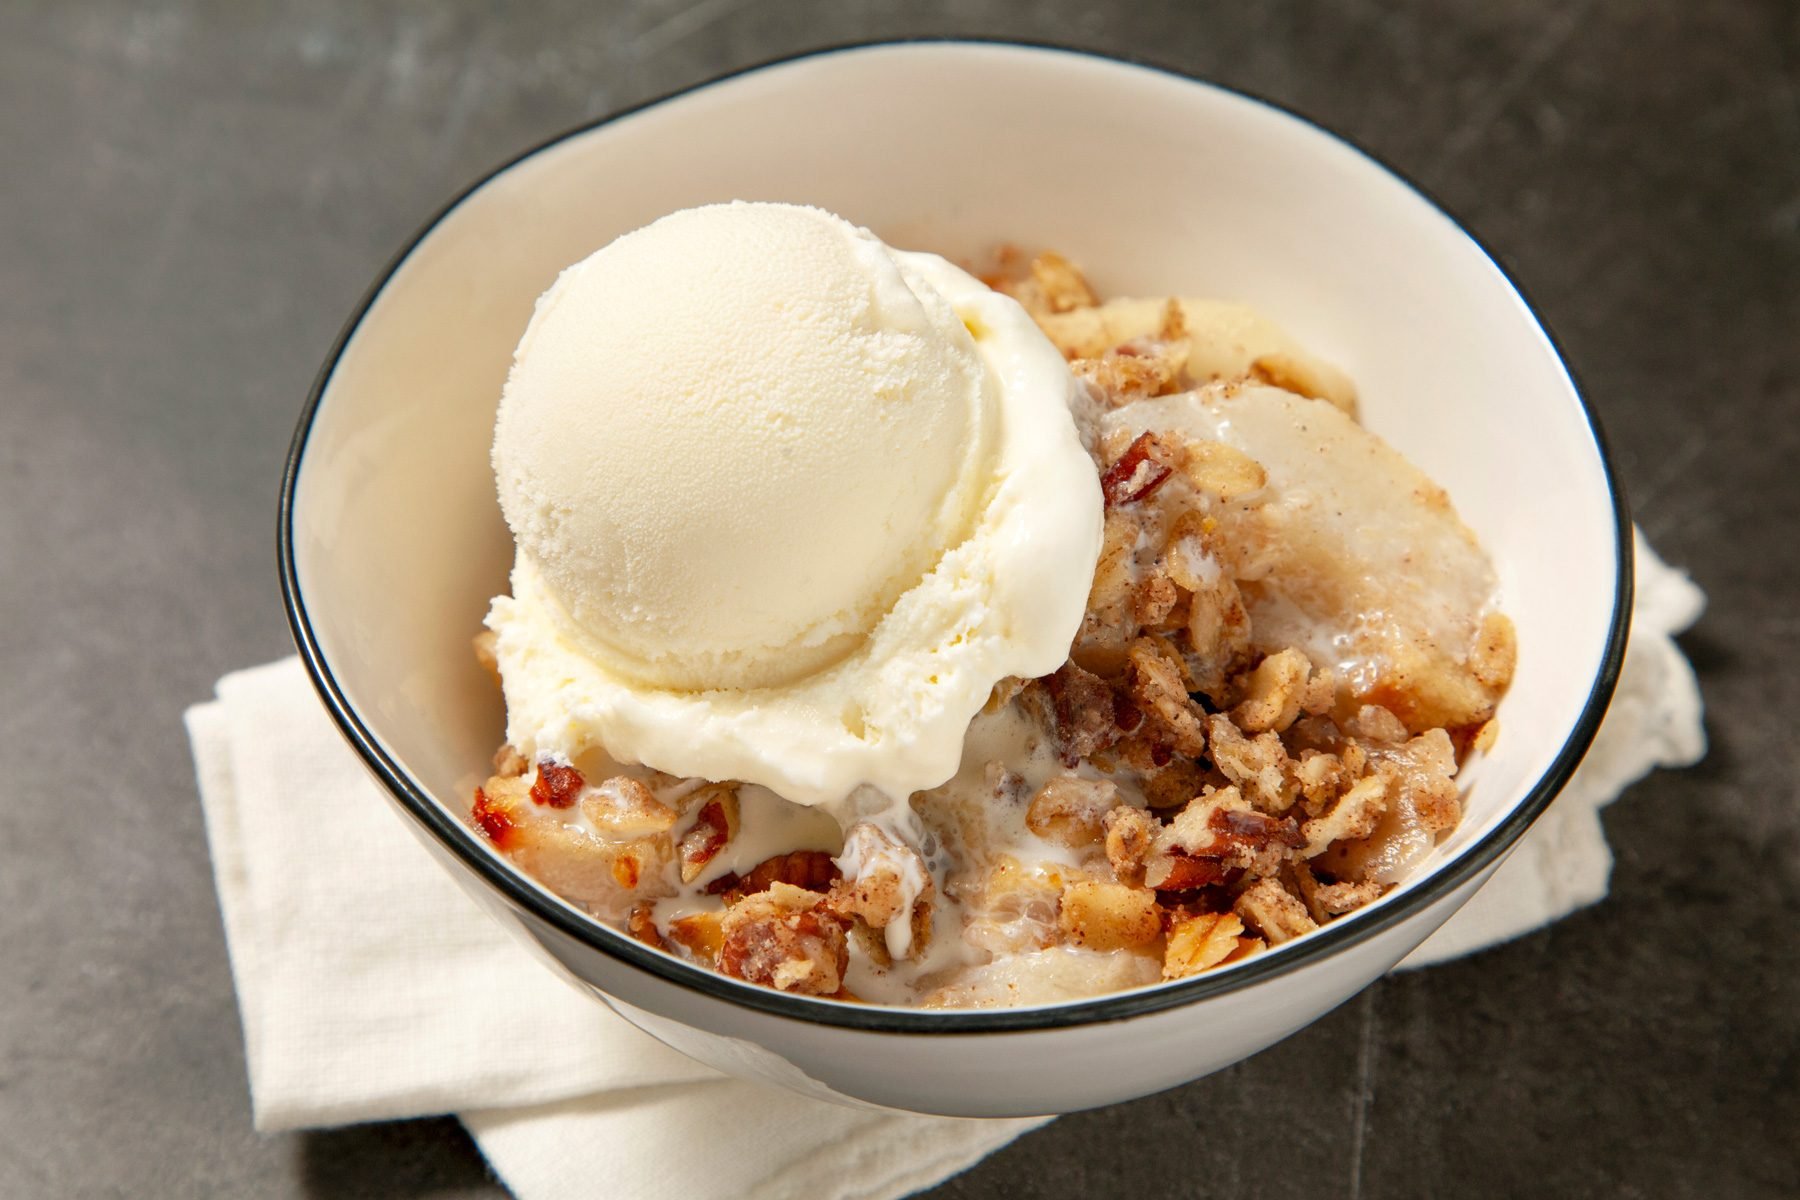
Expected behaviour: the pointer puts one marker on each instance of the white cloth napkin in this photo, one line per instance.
(371, 988)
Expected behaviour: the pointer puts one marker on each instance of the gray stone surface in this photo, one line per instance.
(195, 195)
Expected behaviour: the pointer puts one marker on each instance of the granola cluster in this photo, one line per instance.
(1189, 788)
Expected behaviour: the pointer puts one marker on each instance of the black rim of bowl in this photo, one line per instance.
(571, 922)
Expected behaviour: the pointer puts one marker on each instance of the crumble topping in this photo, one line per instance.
(1200, 781)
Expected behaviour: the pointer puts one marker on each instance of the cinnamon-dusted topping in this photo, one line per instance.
(786, 939)
(1273, 911)
(1259, 765)
(1129, 833)
(1135, 371)
(1337, 899)
(1199, 941)
(556, 785)
(1060, 284)
(716, 825)
(1158, 688)
(1144, 467)
(1109, 916)
(1355, 815)
(890, 882)
(623, 807)
(1322, 778)
(1070, 811)
(1272, 693)
(641, 924)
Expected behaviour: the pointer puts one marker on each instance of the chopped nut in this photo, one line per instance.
(557, 785)
(622, 807)
(1070, 811)
(1198, 942)
(1109, 916)
(887, 885)
(1140, 471)
(1083, 714)
(809, 869)
(1273, 911)
(1260, 766)
(1158, 688)
(1321, 777)
(1129, 832)
(1154, 598)
(786, 939)
(1486, 735)
(1355, 815)
(1173, 784)
(1272, 693)
(713, 828)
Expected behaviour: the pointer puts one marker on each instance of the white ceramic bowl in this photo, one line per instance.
(392, 543)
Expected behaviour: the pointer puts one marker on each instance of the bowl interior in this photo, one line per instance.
(1156, 184)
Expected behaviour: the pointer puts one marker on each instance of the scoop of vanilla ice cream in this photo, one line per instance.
(787, 502)
(733, 438)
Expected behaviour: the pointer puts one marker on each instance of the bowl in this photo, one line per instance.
(391, 540)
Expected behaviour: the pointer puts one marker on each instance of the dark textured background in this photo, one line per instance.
(194, 195)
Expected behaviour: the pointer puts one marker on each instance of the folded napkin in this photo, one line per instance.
(371, 988)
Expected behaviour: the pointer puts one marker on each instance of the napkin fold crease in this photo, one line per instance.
(371, 988)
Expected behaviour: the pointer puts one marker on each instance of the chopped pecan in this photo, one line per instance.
(557, 785)
(1273, 911)
(1129, 832)
(809, 869)
(1355, 815)
(713, 828)
(1158, 688)
(1272, 693)
(785, 939)
(1144, 467)
(887, 885)
(1259, 765)
(1083, 715)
